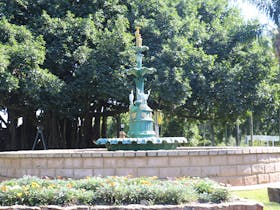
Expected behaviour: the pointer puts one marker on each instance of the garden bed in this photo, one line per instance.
(117, 193)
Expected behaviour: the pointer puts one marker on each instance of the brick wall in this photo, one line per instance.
(230, 165)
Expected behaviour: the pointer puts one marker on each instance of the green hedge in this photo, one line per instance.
(33, 191)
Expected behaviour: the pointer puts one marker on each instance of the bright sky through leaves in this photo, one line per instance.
(249, 12)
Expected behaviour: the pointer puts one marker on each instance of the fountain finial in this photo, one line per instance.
(138, 37)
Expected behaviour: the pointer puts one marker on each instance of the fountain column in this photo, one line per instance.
(141, 121)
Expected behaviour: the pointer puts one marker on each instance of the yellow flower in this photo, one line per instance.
(35, 185)
(145, 182)
(4, 188)
(154, 177)
(51, 186)
(19, 195)
(25, 187)
(69, 185)
(112, 184)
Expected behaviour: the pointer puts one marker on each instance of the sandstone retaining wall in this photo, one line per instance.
(230, 165)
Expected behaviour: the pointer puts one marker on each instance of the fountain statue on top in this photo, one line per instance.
(141, 134)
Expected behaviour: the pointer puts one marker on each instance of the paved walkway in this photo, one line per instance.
(255, 187)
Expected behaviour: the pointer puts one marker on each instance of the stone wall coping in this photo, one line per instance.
(244, 205)
(103, 153)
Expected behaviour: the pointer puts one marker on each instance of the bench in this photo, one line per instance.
(264, 138)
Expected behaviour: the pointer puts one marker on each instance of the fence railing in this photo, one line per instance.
(264, 138)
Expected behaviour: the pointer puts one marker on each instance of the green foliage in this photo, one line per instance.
(259, 195)
(33, 191)
(209, 191)
(68, 58)
(24, 83)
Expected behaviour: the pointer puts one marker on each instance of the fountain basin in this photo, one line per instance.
(150, 143)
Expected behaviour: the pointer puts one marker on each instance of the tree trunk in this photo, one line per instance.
(237, 142)
(118, 125)
(104, 127)
(87, 132)
(226, 135)
(251, 129)
(96, 127)
(212, 130)
(12, 128)
(28, 130)
(52, 130)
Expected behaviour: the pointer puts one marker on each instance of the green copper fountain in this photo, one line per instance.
(141, 121)
(141, 134)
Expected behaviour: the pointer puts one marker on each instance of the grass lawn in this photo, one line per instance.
(258, 195)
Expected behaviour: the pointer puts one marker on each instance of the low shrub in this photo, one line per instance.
(33, 191)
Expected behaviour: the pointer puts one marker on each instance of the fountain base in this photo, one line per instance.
(152, 143)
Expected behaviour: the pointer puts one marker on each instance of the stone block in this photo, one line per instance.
(211, 171)
(157, 161)
(126, 172)
(162, 153)
(251, 180)
(2, 162)
(15, 163)
(274, 194)
(277, 167)
(118, 154)
(249, 159)
(244, 170)
(191, 171)
(200, 161)
(218, 160)
(258, 169)
(82, 173)
(228, 171)
(92, 163)
(204, 152)
(55, 163)
(221, 180)
(68, 163)
(140, 153)
(263, 158)
(129, 154)
(136, 162)
(64, 173)
(148, 172)
(269, 168)
(179, 161)
(172, 153)
(234, 159)
(274, 177)
(113, 162)
(169, 172)
(9, 163)
(151, 153)
(47, 172)
(24, 163)
(33, 172)
(263, 178)
(11, 172)
(236, 181)
(107, 154)
(104, 172)
(20, 173)
(39, 163)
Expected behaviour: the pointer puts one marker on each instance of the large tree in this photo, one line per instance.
(209, 64)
